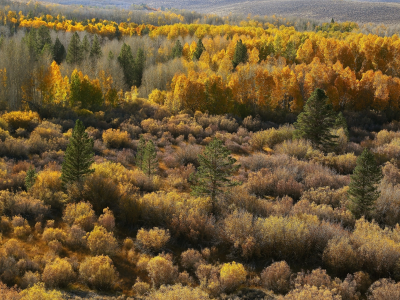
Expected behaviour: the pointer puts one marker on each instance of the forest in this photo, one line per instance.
(173, 155)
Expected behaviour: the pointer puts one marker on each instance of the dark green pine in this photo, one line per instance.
(363, 188)
(74, 53)
(199, 50)
(85, 47)
(126, 61)
(95, 51)
(139, 68)
(240, 55)
(177, 49)
(150, 161)
(316, 121)
(30, 178)
(58, 51)
(78, 156)
(140, 152)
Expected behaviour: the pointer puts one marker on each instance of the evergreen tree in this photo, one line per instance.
(43, 38)
(31, 40)
(150, 161)
(95, 51)
(216, 166)
(75, 90)
(139, 68)
(126, 61)
(240, 55)
(363, 190)
(177, 49)
(58, 51)
(199, 50)
(78, 156)
(317, 120)
(140, 152)
(117, 33)
(30, 178)
(332, 21)
(341, 123)
(74, 53)
(85, 47)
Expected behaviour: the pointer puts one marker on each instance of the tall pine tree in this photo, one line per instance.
(140, 152)
(199, 50)
(127, 63)
(363, 187)
(240, 55)
(85, 47)
(30, 178)
(213, 174)
(139, 68)
(74, 53)
(58, 51)
(177, 49)
(317, 120)
(95, 51)
(78, 156)
(150, 161)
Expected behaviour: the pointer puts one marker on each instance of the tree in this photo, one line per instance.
(78, 156)
(95, 51)
(199, 50)
(138, 67)
(216, 166)
(58, 51)
(240, 55)
(85, 47)
(363, 190)
(74, 53)
(177, 49)
(43, 38)
(126, 61)
(140, 152)
(317, 120)
(150, 161)
(30, 178)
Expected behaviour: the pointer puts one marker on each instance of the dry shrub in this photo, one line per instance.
(255, 162)
(142, 261)
(51, 234)
(22, 204)
(188, 154)
(232, 276)
(161, 271)
(340, 256)
(141, 288)
(80, 214)
(343, 164)
(58, 273)
(114, 138)
(208, 276)
(191, 259)
(151, 126)
(152, 240)
(300, 149)
(384, 289)
(39, 292)
(98, 272)
(5, 224)
(391, 173)
(385, 137)
(387, 206)
(29, 279)
(16, 148)
(326, 195)
(101, 242)
(21, 119)
(76, 237)
(310, 293)
(317, 278)
(178, 178)
(14, 249)
(271, 137)
(21, 227)
(178, 291)
(107, 219)
(8, 293)
(55, 246)
(128, 244)
(276, 277)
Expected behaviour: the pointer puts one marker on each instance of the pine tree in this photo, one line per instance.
(126, 61)
(317, 120)
(363, 190)
(95, 51)
(74, 53)
(340, 122)
(78, 156)
(199, 50)
(58, 51)
(240, 55)
(177, 49)
(75, 89)
(140, 152)
(139, 67)
(150, 161)
(43, 38)
(85, 47)
(30, 178)
(216, 166)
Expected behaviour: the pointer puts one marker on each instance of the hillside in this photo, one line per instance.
(387, 12)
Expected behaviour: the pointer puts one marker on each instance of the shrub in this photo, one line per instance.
(51, 234)
(311, 292)
(317, 278)
(271, 137)
(107, 219)
(152, 240)
(76, 237)
(340, 256)
(21, 119)
(191, 258)
(300, 149)
(141, 288)
(161, 271)
(276, 277)
(178, 292)
(114, 138)
(14, 249)
(232, 275)
(22, 204)
(29, 279)
(81, 214)
(326, 195)
(102, 242)
(99, 272)
(58, 273)
(16, 148)
(384, 289)
(38, 292)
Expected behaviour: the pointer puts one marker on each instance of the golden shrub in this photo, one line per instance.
(21, 119)
(141, 288)
(276, 277)
(58, 273)
(300, 149)
(51, 234)
(271, 137)
(191, 258)
(157, 97)
(384, 289)
(152, 240)
(107, 219)
(14, 248)
(29, 279)
(161, 271)
(115, 138)
(101, 242)
(99, 272)
(38, 292)
(311, 293)
(232, 275)
(326, 195)
(81, 214)
(178, 292)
